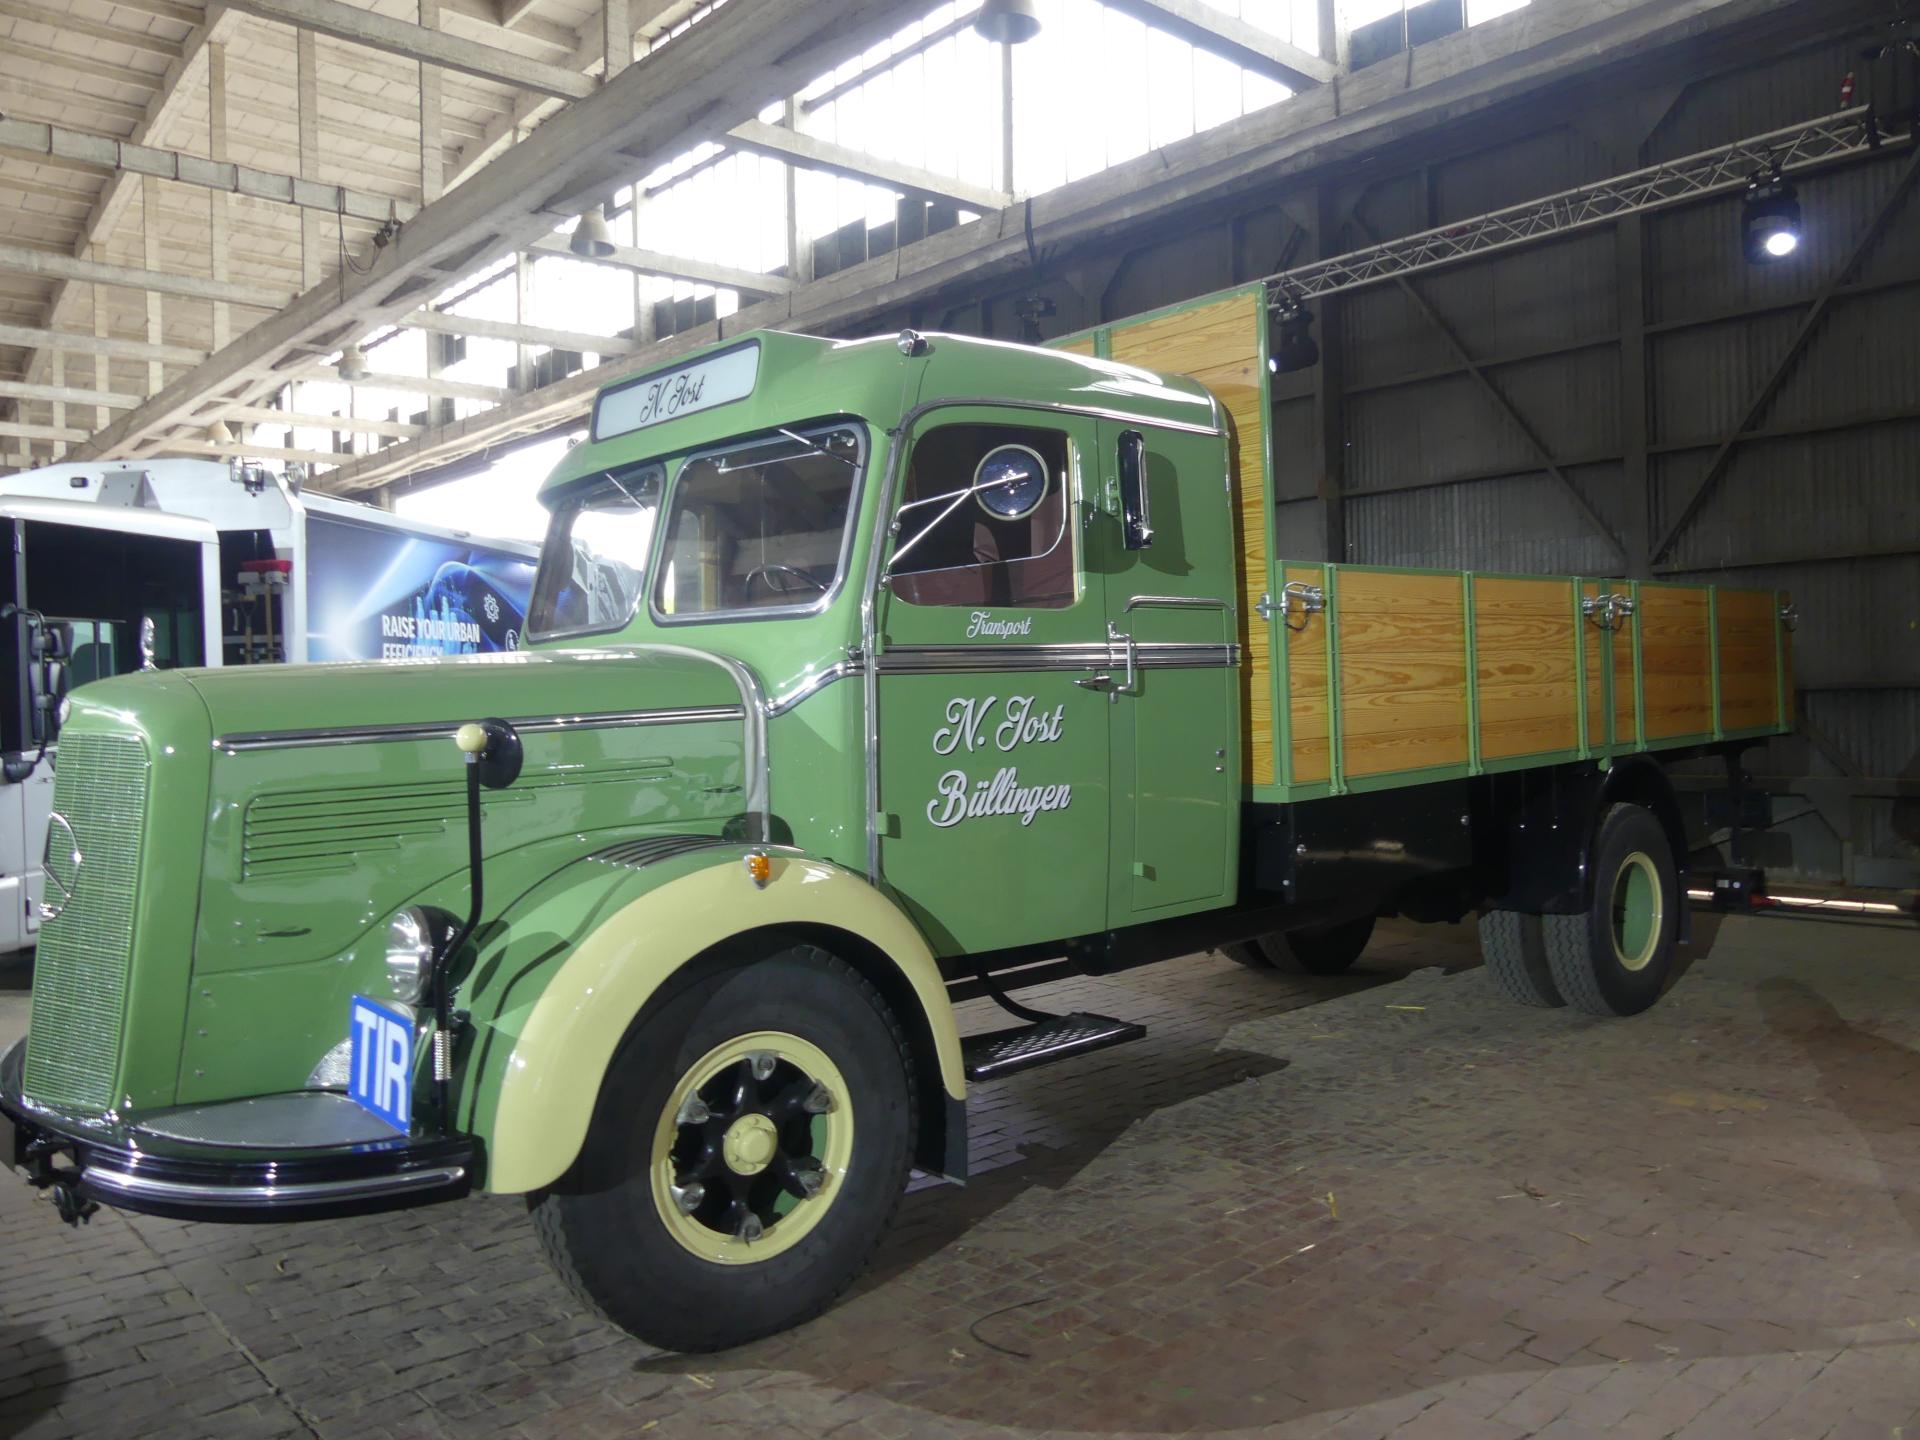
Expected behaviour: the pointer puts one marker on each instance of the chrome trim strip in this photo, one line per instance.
(1179, 602)
(444, 729)
(121, 1182)
(812, 685)
(1026, 659)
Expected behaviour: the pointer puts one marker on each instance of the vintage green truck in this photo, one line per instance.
(862, 676)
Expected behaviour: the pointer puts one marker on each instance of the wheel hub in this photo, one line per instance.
(750, 1143)
(749, 1149)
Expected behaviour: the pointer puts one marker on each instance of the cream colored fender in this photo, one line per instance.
(552, 1078)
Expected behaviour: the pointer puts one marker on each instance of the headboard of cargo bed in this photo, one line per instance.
(1221, 341)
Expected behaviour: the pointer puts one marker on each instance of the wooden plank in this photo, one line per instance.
(1403, 671)
(1675, 661)
(1749, 683)
(1307, 713)
(1219, 344)
(1082, 345)
(1523, 653)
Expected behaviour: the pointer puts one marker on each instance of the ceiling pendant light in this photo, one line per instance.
(591, 238)
(1008, 22)
(218, 433)
(353, 364)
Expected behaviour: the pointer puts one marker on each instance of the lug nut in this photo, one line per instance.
(761, 1062)
(688, 1197)
(809, 1181)
(751, 1229)
(694, 1112)
(819, 1100)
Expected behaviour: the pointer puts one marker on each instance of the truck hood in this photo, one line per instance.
(336, 796)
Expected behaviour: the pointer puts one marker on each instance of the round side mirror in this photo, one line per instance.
(1010, 482)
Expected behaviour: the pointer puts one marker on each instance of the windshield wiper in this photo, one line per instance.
(817, 447)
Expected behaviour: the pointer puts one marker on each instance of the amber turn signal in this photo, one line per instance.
(759, 867)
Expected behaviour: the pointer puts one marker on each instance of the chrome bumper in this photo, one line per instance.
(219, 1162)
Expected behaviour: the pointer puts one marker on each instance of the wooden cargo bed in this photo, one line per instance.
(1365, 677)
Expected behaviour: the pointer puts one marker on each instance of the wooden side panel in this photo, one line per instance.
(1080, 345)
(1219, 344)
(1676, 663)
(1306, 691)
(1749, 680)
(1523, 648)
(1403, 671)
(1595, 643)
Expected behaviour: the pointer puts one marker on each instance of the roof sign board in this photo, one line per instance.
(668, 395)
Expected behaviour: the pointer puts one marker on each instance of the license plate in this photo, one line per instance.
(381, 1079)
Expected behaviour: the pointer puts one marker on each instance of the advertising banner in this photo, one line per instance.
(377, 594)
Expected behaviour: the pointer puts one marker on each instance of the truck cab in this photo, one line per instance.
(1035, 549)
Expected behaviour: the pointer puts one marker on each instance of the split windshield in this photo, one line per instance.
(594, 562)
(754, 527)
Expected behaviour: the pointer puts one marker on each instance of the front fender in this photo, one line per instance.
(583, 957)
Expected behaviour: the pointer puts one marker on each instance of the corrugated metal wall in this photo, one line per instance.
(1554, 408)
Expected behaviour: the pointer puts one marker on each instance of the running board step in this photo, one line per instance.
(1060, 1037)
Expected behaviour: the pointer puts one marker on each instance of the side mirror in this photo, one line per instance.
(1135, 518)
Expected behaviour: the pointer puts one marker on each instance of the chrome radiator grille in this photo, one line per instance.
(80, 973)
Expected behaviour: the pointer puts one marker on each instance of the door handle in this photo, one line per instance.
(1094, 682)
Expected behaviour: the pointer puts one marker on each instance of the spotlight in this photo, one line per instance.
(1770, 218)
(353, 364)
(1296, 348)
(1008, 22)
(590, 237)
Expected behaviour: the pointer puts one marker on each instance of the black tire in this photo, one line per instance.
(608, 1237)
(1516, 956)
(1323, 950)
(1615, 958)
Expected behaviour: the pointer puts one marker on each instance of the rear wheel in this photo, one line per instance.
(1323, 950)
(750, 1146)
(1516, 954)
(1615, 957)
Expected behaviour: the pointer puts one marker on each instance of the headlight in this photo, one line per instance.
(409, 954)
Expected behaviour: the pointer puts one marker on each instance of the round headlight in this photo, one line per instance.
(409, 954)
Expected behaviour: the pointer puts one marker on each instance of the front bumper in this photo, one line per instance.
(276, 1158)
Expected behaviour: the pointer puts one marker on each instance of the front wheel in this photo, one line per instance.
(750, 1146)
(1614, 958)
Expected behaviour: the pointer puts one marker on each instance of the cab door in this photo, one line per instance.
(1167, 551)
(992, 746)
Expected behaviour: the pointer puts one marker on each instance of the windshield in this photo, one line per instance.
(593, 565)
(759, 526)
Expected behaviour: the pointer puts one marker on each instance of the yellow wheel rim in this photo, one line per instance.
(1636, 912)
(752, 1147)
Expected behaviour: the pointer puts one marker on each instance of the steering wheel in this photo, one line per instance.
(767, 572)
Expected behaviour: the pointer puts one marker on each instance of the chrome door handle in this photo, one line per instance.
(1094, 682)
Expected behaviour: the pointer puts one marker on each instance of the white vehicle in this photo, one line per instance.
(121, 565)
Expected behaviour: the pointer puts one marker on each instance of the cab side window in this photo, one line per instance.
(983, 519)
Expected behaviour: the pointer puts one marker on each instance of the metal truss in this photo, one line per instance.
(1839, 136)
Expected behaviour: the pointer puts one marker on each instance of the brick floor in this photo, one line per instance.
(1388, 1205)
